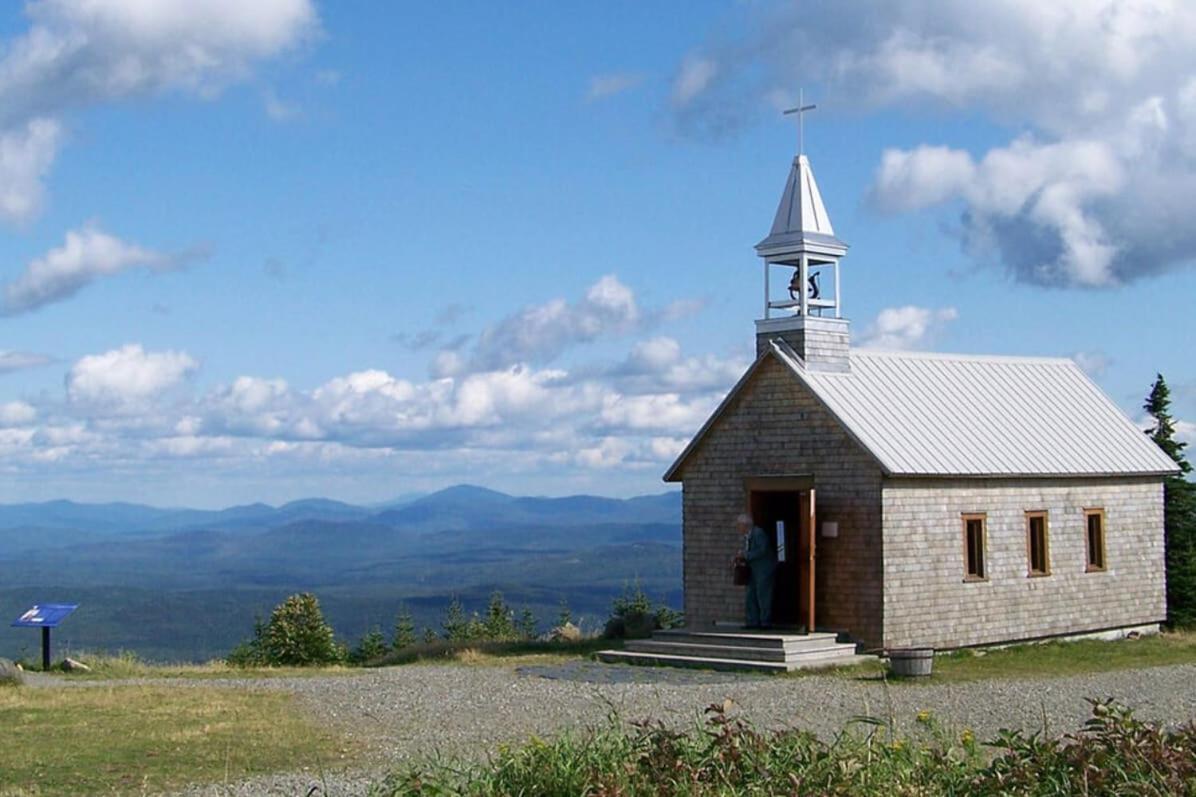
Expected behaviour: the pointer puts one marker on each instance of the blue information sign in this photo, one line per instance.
(45, 615)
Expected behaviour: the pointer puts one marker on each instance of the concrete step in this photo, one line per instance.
(749, 639)
(740, 652)
(734, 665)
(725, 664)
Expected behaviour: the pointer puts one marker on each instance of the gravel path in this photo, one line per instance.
(468, 710)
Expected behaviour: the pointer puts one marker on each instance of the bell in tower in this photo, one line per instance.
(803, 248)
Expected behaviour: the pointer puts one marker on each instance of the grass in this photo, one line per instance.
(488, 653)
(128, 665)
(1057, 659)
(139, 739)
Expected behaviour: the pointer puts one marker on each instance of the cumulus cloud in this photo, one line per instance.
(908, 327)
(86, 255)
(498, 403)
(541, 332)
(1092, 191)
(81, 53)
(16, 413)
(126, 377)
(604, 86)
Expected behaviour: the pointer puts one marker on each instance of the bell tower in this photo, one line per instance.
(802, 250)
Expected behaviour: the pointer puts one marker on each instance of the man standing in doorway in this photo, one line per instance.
(762, 560)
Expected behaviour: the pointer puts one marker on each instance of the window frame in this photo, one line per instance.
(965, 517)
(1089, 567)
(1046, 543)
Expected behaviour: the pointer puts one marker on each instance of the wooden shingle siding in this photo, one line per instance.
(927, 602)
(777, 428)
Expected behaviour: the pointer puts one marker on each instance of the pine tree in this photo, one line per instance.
(404, 635)
(1158, 405)
(498, 623)
(527, 624)
(565, 614)
(1179, 511)
(455, 625)
(372, 646)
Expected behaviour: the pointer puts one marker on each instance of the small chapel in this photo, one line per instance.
(913, 499)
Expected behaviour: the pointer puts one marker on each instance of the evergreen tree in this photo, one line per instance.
(527, 624)
(455, 625)
(404, 635)
(1179, 511)
(499, 623)
(565, 615)
(297, 634)
(372, 646)
(1158, 405)
(429, 636)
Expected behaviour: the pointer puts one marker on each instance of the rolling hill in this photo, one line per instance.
(186, 584)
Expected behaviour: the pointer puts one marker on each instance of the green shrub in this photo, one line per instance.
(1114, 754)
(634, 616)
(296, 635)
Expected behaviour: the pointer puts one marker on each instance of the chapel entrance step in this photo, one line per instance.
(758, 651)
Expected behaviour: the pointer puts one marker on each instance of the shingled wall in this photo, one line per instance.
(776, 428)
(927, 601)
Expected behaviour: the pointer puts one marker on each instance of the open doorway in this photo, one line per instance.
(787, 516)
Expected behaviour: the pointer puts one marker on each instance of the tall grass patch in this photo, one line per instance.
(1114, 754)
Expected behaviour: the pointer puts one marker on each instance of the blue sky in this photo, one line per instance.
(289, 248)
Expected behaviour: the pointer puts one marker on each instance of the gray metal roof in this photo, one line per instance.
(965, 415)
(969, 415)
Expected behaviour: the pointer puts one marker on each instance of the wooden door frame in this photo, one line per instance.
(803, 485)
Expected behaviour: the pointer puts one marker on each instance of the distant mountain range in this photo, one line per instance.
(186, 583)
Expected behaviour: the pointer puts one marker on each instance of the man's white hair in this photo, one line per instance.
(744, 518)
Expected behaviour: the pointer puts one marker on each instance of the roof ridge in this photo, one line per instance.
(899, 354)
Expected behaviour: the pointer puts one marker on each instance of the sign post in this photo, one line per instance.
(45, 616)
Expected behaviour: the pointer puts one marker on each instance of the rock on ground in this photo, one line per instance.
(10, 674)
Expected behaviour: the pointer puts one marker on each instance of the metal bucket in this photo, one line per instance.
(911, 662)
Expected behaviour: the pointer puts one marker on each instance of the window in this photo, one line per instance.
(975, 566)
(1038, 545)
(1094, 526)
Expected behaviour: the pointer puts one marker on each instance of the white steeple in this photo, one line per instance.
(802, 243)
(801, 223)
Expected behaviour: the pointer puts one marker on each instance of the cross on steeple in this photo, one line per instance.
(800, 110)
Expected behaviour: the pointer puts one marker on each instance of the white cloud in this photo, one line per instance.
(126, 377)
(1185, 431)
(78, 53)
(541, 332)
(26, 153)
(86, 254)
(603, 86)
(20, 360)
(693, 78)
(16, 413)
(915, 179)
(1094, 363)
(137, 409)
(908, 327)
(1091, 191)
